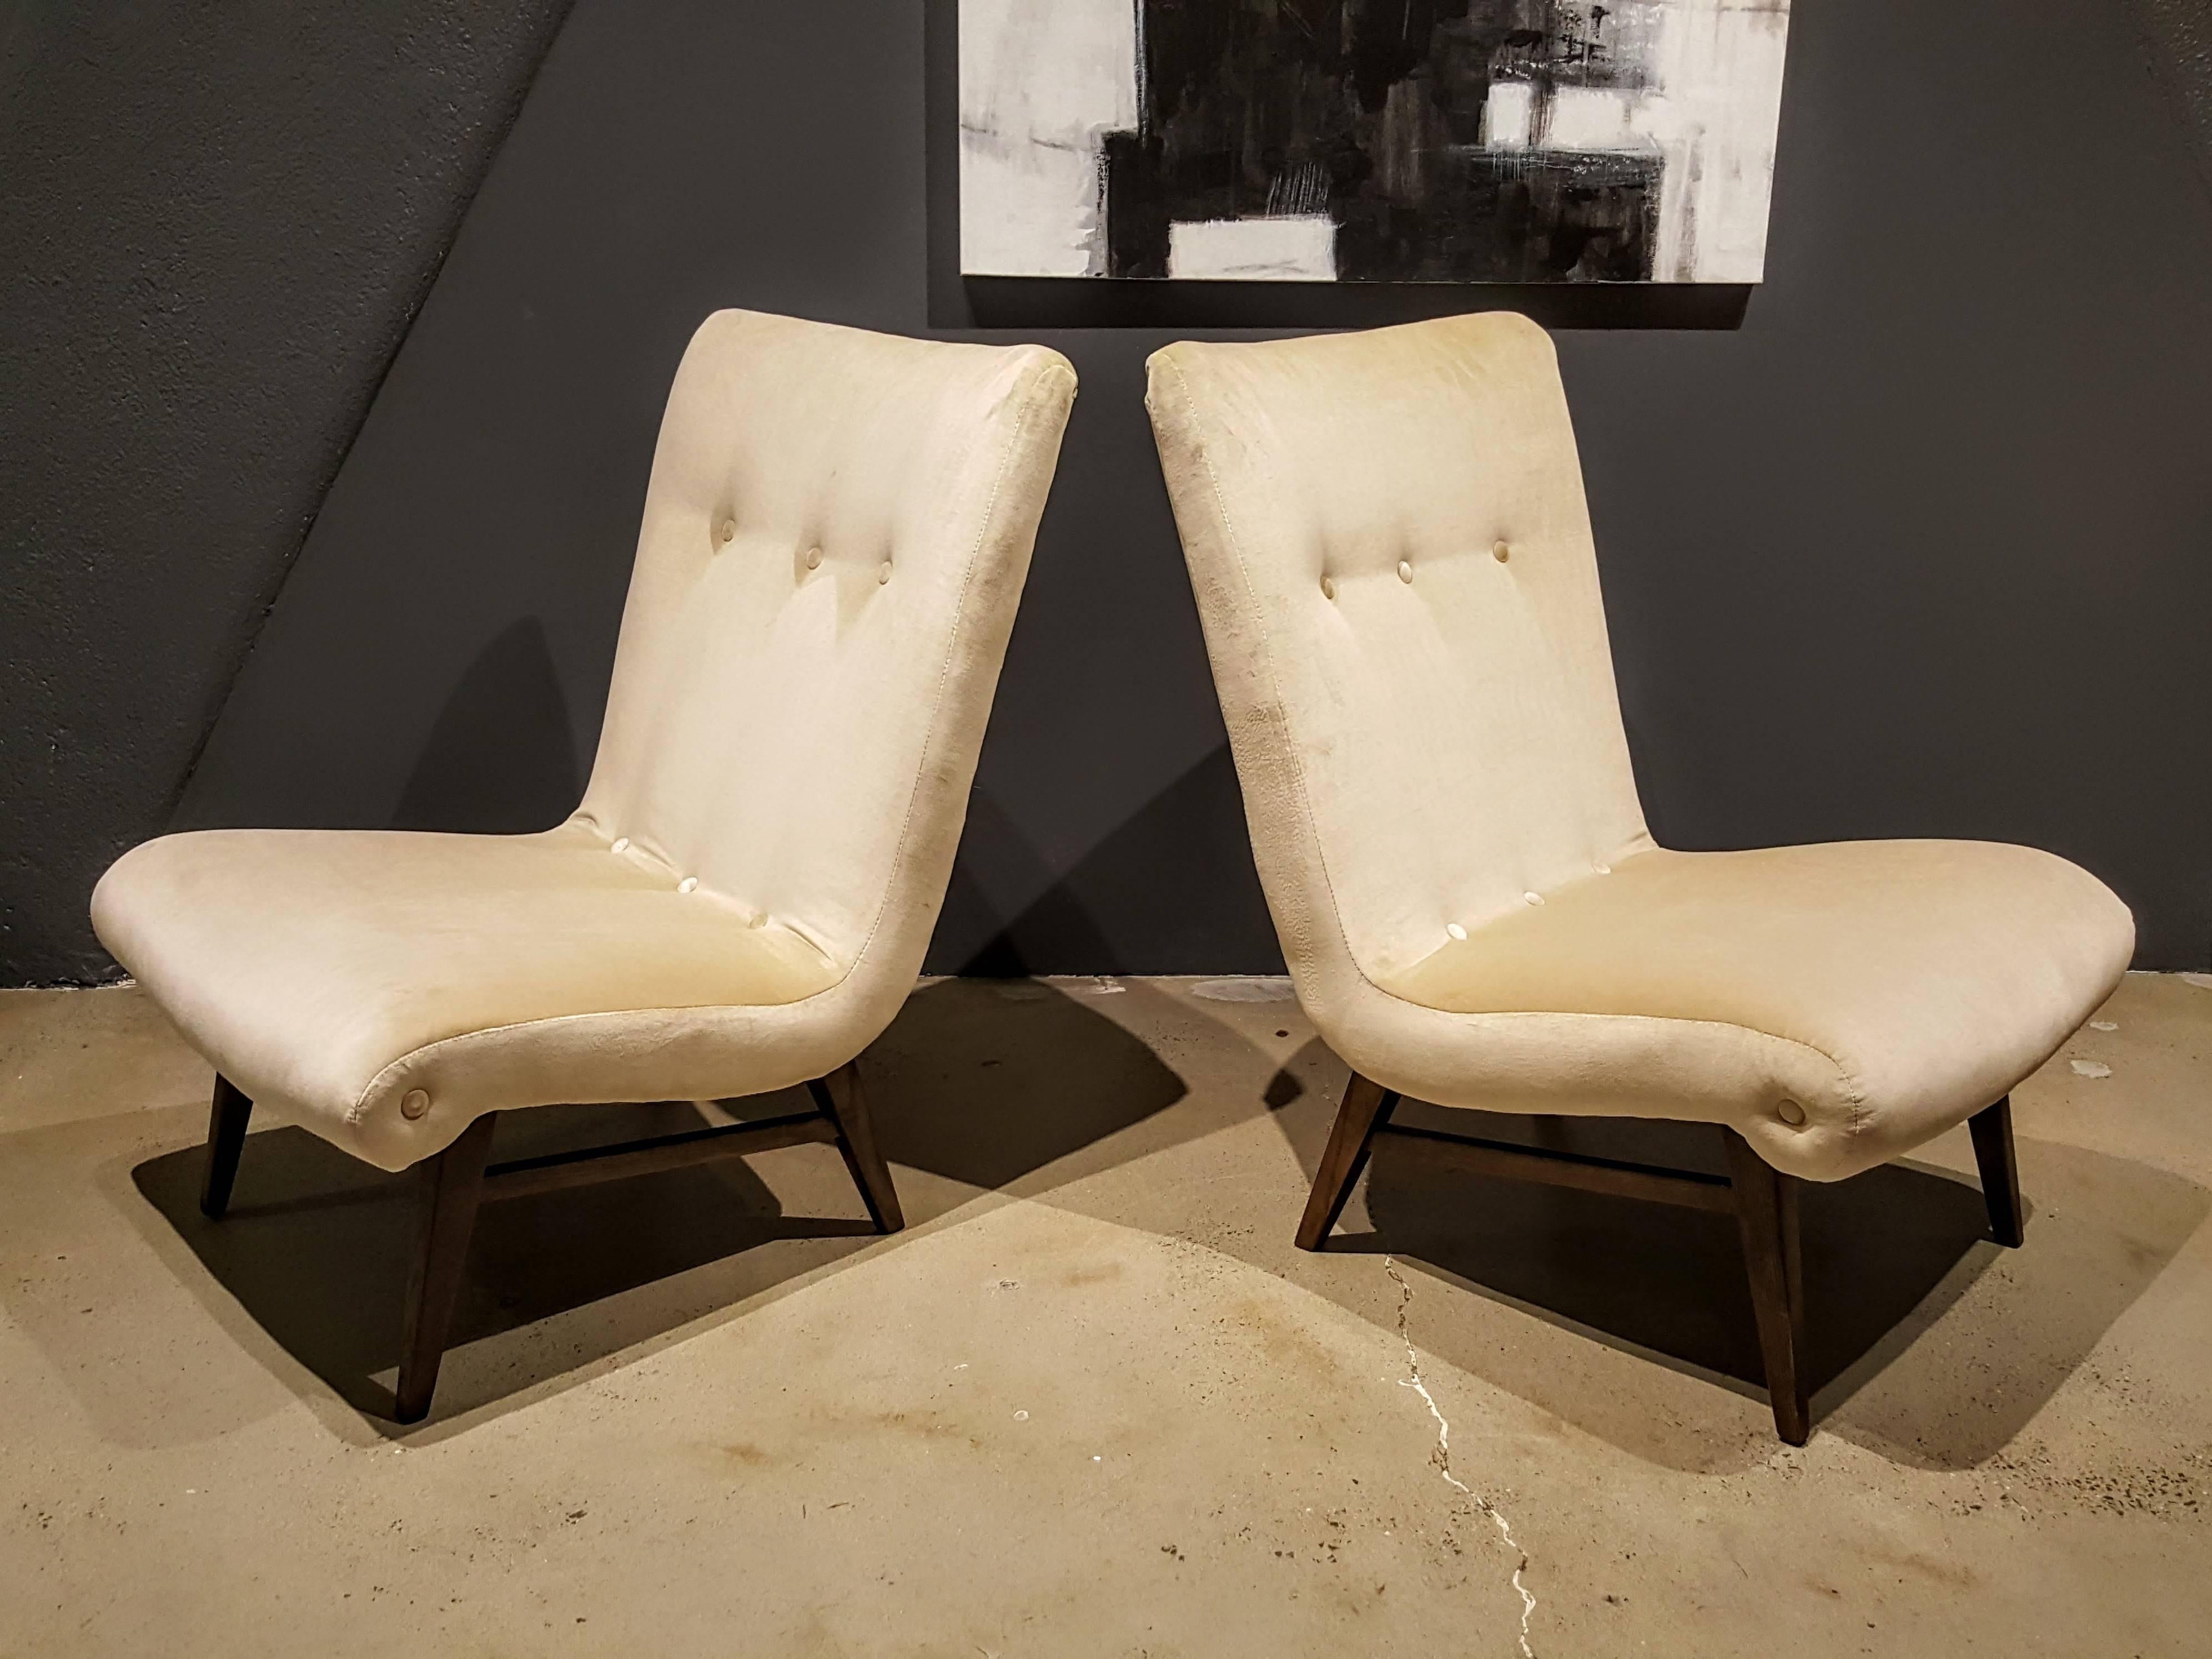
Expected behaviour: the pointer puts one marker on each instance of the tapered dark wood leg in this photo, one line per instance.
(1786, 1191)
(1768, 1221)
(453, 1183)
(227, 1120)
(1367, 1107)
(1991, 1129)
(846, 1105)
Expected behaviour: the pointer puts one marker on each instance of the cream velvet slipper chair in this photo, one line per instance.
(1392, 558)
(836, 536)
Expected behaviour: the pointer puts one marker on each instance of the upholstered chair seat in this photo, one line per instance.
(1812, 998)
(386, 989)
(1393, 560)
(835, 535)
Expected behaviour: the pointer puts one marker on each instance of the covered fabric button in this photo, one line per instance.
(414, 1103)
(1499, 551)
(729, 529)
(688, 884)
(1602, 869)
(1532, 898)
(1791, 1113)
(813, 558)
(622, 845)
(1328, 587)
(883, 572)
(1405, 571)
(1455, 930)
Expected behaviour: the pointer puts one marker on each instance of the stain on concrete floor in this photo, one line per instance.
(1092, 1402)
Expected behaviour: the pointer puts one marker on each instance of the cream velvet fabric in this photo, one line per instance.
(1444, 816)
(835, 537)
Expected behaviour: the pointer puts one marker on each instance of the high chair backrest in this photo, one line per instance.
(836, 536)
(1391, 551)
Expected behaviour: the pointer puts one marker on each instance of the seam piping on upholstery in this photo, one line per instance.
(359, 1108)
(952, 649)
(1853, 1095)
(1268, 643)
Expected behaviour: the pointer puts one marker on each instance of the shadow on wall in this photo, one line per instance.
(499, 759)
(1183, 863)
(220, 223)
(1888, 1254)
(976, 1087)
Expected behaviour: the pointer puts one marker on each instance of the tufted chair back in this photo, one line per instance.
(1392, 556)
(835, 539)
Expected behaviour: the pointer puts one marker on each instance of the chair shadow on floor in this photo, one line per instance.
(974, 1087)
(1889, 1254)
(1014, 1085)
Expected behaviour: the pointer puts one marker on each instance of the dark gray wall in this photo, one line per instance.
(1920, 549)
(2178, 33)
(215, 220)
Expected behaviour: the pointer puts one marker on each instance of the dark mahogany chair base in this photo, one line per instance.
(459, 1181)
(1763, 1200)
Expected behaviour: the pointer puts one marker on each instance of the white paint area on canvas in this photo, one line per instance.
(1294, 248)
(1596, 118)
(1040, 82)
(1710, 111)
(1508, 115)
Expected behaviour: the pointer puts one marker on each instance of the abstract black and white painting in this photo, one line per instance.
(1468, 141)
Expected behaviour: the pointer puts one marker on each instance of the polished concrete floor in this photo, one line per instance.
(1091, 1400)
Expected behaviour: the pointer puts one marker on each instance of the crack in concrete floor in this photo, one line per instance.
(1442, 1456)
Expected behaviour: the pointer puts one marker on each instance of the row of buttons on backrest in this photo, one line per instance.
(725, 534)
(728, 533)
(1500, 551)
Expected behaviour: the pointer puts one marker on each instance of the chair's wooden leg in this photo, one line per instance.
(843, 1102)
(1992, 1131)
(227, 1120)
(1367, 1107)
(1767, 1219)
(453, 1184)
(1786, 1191)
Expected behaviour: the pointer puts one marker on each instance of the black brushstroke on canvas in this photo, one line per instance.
(1371, 112)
